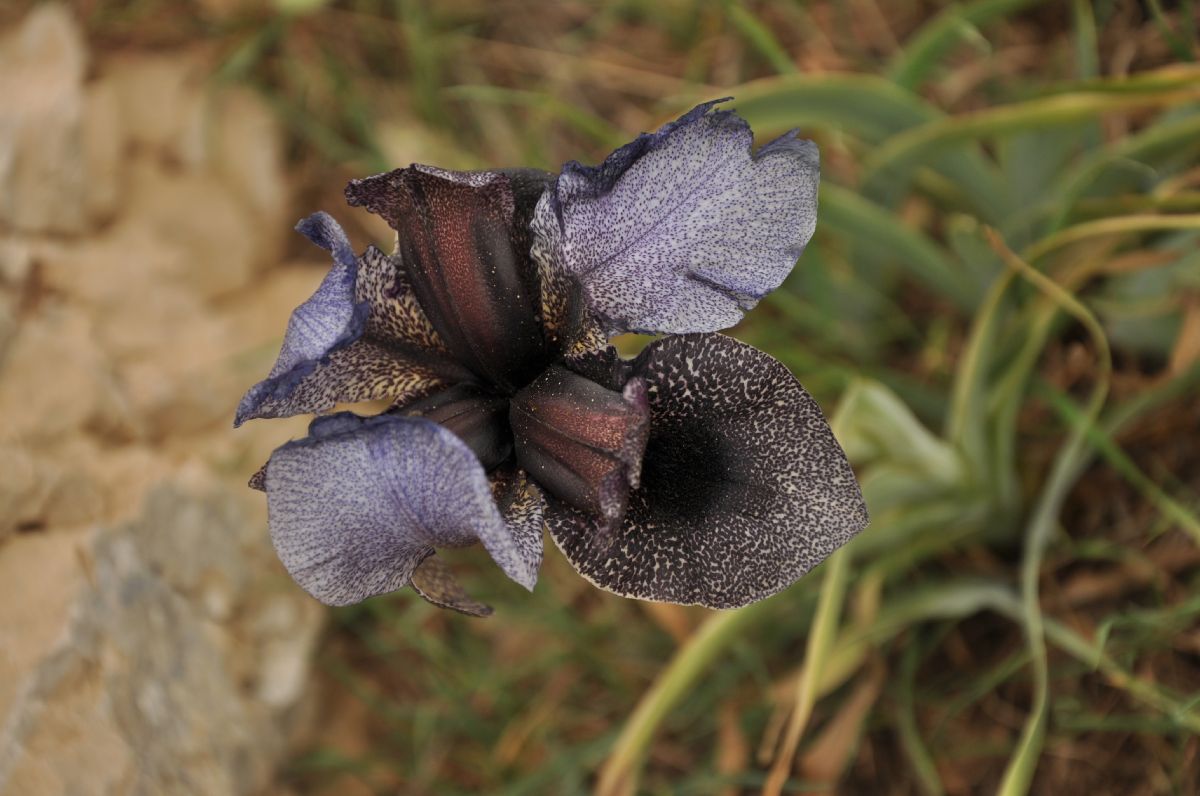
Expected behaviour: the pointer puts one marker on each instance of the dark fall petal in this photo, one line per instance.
(744, 488)
(362, 336)
(685, 229)
(355, 507)
(467, 259)
(581, 442)
(434, 581)
(478, 418)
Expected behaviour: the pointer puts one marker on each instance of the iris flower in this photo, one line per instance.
(700, 472)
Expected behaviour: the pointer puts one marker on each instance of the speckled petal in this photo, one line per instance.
(362, 336)
(682, 230)
(744, 488)
(355, 507)
(521, 503)
(434, 582)
(478, 418)
(523, 506)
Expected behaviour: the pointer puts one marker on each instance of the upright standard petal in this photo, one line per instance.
(358, 505)
(685, 229)
(362, 336)
(744, 488)
(465, 249)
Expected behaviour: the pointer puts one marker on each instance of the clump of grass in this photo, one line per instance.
(1002, 300)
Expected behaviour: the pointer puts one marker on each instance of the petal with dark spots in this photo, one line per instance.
(328, 321)
(572, 331)
(744, 488)
(395, 318)
(362, 371)
(259, 479)
(684, 229)
(434, 582)
(361, 336)
(467, 259)
(523, 506)
(354, 508)
(580, 441)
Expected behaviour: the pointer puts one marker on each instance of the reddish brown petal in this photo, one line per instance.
(466, 254)
(581, 442)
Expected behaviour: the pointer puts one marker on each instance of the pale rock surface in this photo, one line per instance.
(150, 643)
(42, 178)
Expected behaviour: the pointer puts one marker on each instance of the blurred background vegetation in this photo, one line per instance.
(1000, 313)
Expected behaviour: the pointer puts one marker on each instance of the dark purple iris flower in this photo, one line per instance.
(700, 472)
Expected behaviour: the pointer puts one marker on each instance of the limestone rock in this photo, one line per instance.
(42, 175)
(103, 151)
(142, 690)
(57, 381)
(161, 98)
(247, 153)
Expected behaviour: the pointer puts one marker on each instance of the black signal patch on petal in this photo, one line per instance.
(466, 255)
(744, 488)
(477, 417)
(580, 441)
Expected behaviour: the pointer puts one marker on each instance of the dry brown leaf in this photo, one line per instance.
(828, 756)
(1187, 345)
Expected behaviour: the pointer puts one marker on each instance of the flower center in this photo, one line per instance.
(582, 442)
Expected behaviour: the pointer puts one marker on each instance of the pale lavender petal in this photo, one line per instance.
(361, 337)
(358, 505)
(330, 320)
(685, 229)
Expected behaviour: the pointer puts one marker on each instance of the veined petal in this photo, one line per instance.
(465, 247)
(744, 488)
(684, 229)
(355, 507)
(361, 336)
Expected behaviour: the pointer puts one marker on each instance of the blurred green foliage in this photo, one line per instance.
(1001, 300)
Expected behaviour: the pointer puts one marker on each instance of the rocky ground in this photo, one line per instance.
(149, 641)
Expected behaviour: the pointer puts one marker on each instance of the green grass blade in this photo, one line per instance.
(1108, 448)
(910, 734)
(620, 773)
(1018, 775)
(922, 52)
(867, 225)
(759, 36)
(903, 153)
(967, 419)
(589, 124)
(816, 656)
(865, 106)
